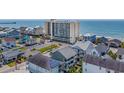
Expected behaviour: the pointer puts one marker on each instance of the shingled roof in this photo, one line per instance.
(117, 66)
(102, 48)
(116, 40)
(44, 61)
(120, 51)
(9, 39)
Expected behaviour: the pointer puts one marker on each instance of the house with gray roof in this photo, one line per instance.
(87, 47)
(120, 54)
(103, 40)
(94, 64)
(89, 37)
(11, 55)
(43, 64)
(78, 48)
(102, 49)
(13, 33)
(114, 43)
(1, 59)
(67, 55)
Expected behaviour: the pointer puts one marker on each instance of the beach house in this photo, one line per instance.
(120, 54)
(66, 55)
(89, 37)
(9, 42)
(102, 40)
(78, 47)
(3, 34)
(92, 64)
(1, 59)
(30, 41)
(38, 30)
(43, 64)
(102, 49)
(11, 55)
(114, 43)
(89, 48)
(14, 33)
(24, 38)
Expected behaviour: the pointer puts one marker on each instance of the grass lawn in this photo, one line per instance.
(48, 48)
(11, 64)
(23, 48)
(1, 51)
(22, 59)
(77, 68)
(33, 49)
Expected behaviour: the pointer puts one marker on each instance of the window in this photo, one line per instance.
(103, 53)
(78, 59)
(120, 56)
(85, 63)
(100, 68)
(85, 70)
(108, 72)
(8, 43)
(94, 53)
(12, 45)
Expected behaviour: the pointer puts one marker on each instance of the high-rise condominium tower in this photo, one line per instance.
(63, 30)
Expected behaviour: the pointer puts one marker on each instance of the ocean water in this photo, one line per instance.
(107, 28)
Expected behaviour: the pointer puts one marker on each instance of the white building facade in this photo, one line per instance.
(63, 30)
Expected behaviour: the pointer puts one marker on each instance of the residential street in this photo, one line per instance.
(20, 67)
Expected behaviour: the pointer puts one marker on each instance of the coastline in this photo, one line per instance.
(108, 37)
(121, 39)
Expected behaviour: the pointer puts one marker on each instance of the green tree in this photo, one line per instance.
(113, 55)
(122, 44)
(97, 41)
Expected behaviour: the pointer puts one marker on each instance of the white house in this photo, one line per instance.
(86, 46)
(9, 42)
(43, 64)
(93, 64)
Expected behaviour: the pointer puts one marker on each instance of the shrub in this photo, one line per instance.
(11, 64)
(122, 44)
(97, 41)
(30, 55)
(0, 41)
(113, 55)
